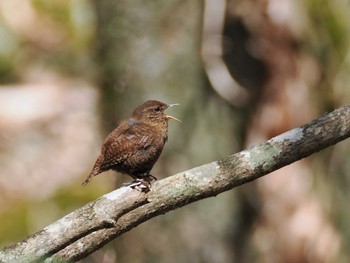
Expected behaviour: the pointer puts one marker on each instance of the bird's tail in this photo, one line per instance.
(95, 171)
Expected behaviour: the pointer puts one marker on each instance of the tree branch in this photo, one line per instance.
(87, 229)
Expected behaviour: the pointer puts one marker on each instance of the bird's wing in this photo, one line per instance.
(120, 144)
(124, 142)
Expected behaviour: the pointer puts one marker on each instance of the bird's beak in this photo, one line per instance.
(168, 117)
(175, 104)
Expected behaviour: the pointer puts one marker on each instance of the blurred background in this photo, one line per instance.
(242, 70)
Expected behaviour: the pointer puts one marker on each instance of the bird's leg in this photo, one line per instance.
(151, 178)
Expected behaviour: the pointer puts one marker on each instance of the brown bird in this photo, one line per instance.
(136, 144)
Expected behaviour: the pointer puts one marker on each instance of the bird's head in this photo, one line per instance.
(153, 110)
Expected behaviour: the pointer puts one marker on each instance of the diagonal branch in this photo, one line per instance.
(90, 227)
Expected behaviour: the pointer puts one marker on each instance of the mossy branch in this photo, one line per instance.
(88, 228)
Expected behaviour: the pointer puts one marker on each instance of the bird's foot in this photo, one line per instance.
(149, 178)
(139, 184)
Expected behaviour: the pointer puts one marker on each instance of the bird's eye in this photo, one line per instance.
(157, 109)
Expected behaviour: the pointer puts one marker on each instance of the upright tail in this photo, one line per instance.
(95, 171)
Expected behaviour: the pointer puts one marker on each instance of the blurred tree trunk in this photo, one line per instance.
(286, 99)
(145, 50)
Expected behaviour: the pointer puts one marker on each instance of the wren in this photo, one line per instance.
(136, 144)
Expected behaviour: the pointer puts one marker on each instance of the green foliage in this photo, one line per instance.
(25, 217)
(330, 30)
(13, 224)
(8, 47)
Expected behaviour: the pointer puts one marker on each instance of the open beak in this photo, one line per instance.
(174, 104)
(171, 117)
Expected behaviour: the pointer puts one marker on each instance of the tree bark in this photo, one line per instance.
(87, 229)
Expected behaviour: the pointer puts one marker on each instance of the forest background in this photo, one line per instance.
(242, 70)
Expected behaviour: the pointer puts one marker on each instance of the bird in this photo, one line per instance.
(136, 144)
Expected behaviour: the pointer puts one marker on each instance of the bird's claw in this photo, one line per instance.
(140, 184)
